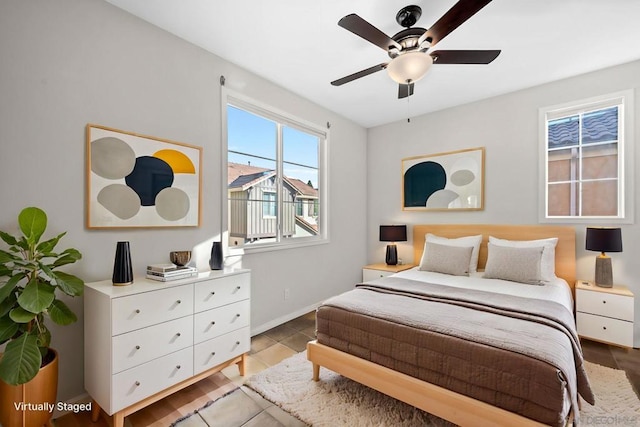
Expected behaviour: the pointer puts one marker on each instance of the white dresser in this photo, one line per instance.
(605, 314)
(147, 340)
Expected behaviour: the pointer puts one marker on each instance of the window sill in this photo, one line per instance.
(254, 249)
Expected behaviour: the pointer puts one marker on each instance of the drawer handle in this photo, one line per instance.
(213, 353)
(238, 288)
(178, 366)
(237, 314)
(604, 302)
(137, 347)
(213, 292)
(237, 342)
(178, 334)
(178, 302)
(137, 383)
(138, 311)
(604, 327)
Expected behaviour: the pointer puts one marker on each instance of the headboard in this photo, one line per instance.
(565, 250)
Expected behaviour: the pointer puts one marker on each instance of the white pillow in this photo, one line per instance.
(473, 241)
(548, 261)
(514, 264)
(446, 259)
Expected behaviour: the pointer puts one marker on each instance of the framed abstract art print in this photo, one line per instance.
(141, 181)
(444, 181)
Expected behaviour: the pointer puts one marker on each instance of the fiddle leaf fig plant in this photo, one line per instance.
(29, 281)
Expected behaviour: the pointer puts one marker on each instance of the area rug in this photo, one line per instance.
(338, 401)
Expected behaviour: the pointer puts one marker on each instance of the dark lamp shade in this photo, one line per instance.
(603, 239)
(393, 233)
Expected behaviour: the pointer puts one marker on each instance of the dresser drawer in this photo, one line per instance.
(218, 292)
(212, 323)
(218, 350)
(140, 310)
(605, 329)
(137, 383)
(370, 274)
(604, 304)
(140, 346)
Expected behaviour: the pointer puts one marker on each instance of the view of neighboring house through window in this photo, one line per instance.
(274, 177)
(584, 161)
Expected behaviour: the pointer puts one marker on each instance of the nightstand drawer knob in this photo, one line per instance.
(604, 327)
(137, 383)
(137, 347)
(604, 302)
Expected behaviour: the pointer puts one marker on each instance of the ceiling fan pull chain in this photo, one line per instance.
(408, 106)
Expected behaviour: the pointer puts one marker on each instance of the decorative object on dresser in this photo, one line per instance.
(180, 258)
(392, 233)
(376, 271)
(605, 314)
(169, 272)
(217, 259)
(122, 269)
(604, 239)
(29, 281)
(146, 341)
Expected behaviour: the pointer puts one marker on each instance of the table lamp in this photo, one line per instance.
(392, 233)
(604, 239)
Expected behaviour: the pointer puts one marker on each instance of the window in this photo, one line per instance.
(276, 177)
(584, 151)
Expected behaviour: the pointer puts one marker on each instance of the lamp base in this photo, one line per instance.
(392, 255)
(604, 273)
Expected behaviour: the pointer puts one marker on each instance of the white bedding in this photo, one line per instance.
(557, 290)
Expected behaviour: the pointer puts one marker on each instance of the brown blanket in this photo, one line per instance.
(539, 329)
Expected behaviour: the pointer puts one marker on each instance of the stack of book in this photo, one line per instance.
(168, 272)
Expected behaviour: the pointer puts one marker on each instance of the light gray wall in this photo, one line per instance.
(507, 126)
(66, 63)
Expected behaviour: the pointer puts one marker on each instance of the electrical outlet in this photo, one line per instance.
(287, 293)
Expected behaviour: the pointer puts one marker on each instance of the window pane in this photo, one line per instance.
(300, 186)
(562, 200)
(600, 198)
(251, 169)
(599, 126)
(600, 161)
(563, 132)
(563, 165)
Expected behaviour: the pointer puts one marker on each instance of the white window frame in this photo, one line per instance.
(625, 156)
(231, 97)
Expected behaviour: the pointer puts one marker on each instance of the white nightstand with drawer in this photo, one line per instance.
(376, 271)
(150, 339)
(605, 314)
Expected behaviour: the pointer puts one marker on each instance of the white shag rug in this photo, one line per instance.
(339, 401)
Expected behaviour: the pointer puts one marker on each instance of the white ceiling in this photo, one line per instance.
(298, 45)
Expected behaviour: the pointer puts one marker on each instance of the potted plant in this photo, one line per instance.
(29, 280)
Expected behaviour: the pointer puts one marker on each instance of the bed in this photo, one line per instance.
(471, 350)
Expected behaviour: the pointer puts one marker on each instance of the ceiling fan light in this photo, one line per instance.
(409, 67)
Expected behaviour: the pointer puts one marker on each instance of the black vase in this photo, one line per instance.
(122, 269)
(215, 262)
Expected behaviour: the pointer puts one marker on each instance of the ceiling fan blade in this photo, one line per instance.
(405, 90)
(362, 28)
(359, 74)
(451, 20)
(464, 56)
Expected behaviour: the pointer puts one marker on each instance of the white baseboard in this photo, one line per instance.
(283, 319)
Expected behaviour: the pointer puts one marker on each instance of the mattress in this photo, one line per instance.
(478, 353)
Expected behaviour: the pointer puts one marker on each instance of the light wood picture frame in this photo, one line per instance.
(445, 181)
(135, 180)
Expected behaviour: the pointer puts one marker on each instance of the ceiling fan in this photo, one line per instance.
(409, 48)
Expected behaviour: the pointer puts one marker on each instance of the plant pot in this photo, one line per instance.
(36, 399)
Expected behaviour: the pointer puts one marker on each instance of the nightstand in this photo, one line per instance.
(376, 271)
(605, 314)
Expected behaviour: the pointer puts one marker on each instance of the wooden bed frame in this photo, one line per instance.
(436, 400)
